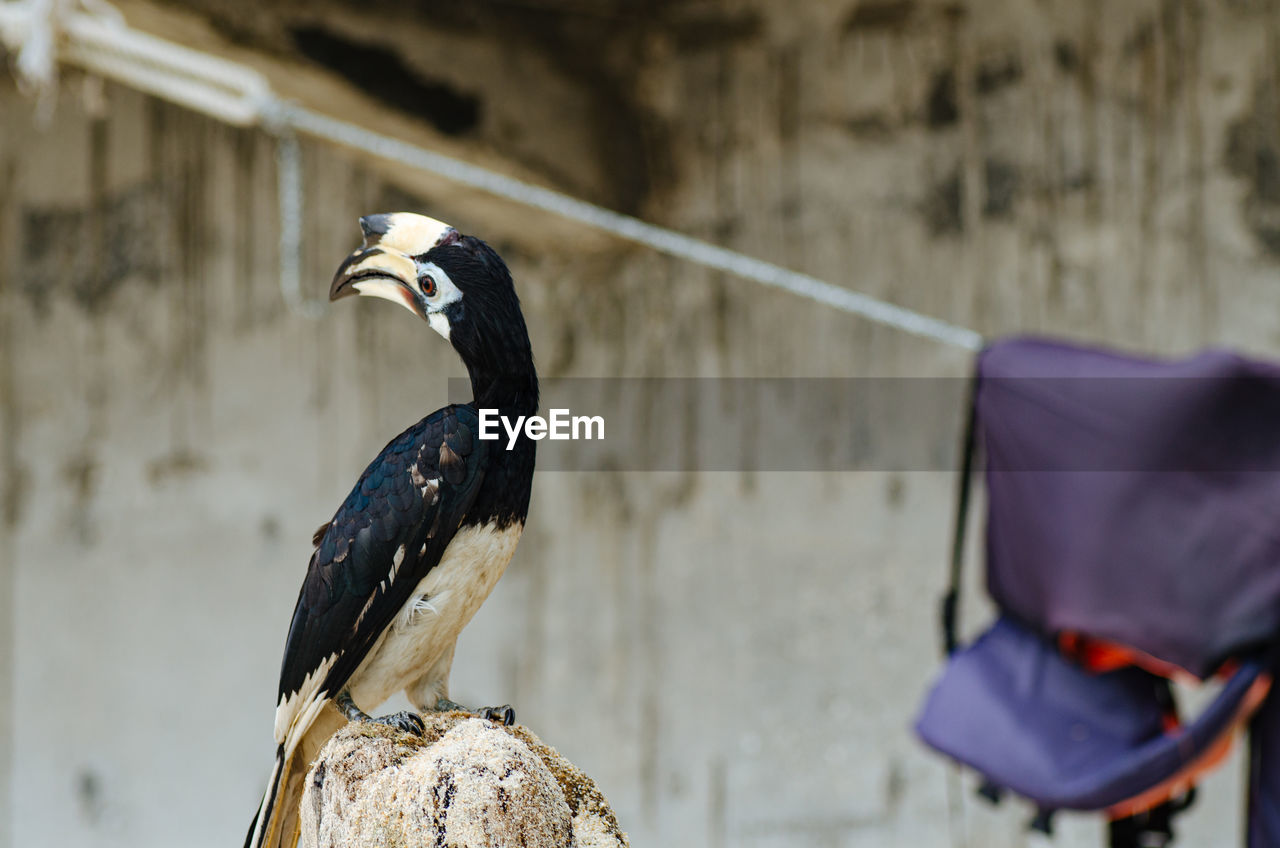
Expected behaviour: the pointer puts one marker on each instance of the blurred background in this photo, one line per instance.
(735, 656)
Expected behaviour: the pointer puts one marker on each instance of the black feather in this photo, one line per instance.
(356, 550)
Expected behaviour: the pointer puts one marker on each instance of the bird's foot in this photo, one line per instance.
(405, 721)
(503, 715)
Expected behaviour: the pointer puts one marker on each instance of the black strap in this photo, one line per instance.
(951, 599)
(1150, 829)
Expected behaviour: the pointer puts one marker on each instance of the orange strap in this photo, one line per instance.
(1178, 784)
(1099, 656)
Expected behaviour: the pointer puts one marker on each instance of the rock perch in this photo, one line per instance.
(466, 783)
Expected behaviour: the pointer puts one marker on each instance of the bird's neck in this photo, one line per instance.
(512, 394)
(504, 500)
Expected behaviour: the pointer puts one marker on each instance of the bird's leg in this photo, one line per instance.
(431, 692)
(503, 714)
(405, 720)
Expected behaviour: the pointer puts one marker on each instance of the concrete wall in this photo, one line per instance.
(735, 656)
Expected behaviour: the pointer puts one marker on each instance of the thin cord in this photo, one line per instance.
(289, 193)
(632, 229)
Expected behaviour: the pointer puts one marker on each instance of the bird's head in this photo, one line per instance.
(455, 282)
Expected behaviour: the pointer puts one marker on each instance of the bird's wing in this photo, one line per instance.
(391, 530)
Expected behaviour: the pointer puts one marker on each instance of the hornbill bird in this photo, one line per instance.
(428, 529)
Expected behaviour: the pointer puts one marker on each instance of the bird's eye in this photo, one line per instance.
(429, 286)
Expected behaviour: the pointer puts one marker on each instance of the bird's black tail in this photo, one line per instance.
(248, 840)
(276, 823)
(266, 819)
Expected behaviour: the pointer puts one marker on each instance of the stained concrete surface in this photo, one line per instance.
(735, 657)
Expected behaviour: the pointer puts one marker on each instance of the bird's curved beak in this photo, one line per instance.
(380, 272)
(384, 266)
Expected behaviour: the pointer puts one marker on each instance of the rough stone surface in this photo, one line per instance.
(466, 783)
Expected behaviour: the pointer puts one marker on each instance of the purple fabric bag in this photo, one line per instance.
(1013, 708)
(1135, 502)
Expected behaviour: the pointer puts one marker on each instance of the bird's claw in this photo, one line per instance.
(503, 715)
(404, 721)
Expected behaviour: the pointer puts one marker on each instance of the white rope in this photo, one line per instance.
(239, 95)
(36, 66)
(96, 39)
(633, 229)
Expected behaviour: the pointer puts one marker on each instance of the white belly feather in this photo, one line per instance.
(441, 605)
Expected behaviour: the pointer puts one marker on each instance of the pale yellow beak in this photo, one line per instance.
(380, 272)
